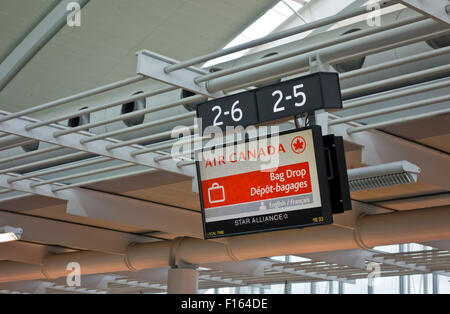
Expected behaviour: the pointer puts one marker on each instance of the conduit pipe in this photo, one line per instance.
(374, 41)
(370, 230)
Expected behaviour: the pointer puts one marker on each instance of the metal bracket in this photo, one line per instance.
(152, 65)
(319, 117)
(436, 9)
(316, 64)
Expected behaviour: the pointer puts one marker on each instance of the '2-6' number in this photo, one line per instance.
(297, 93)
(236, 113)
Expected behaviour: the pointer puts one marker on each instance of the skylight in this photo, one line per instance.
(263, 26)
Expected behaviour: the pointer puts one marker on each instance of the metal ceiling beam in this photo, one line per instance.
(34, 41)
(379, 148)
(391, 260)
(66, 234)
(37, 287)
(153, 65)
(354, 258)
(252, 267)
(230, 281)
(436, 9)
(119, 209)
(44, 133)
(299, 272)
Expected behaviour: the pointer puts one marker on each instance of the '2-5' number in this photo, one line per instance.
(297, 94)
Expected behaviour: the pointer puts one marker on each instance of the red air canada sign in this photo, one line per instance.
(266, 184)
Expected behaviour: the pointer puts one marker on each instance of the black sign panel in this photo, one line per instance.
(287, 99)
(239, 109)
(337, 173)
(293, 97)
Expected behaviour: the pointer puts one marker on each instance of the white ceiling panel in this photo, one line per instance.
(103, 48)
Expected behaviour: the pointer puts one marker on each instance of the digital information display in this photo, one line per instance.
(242, 192)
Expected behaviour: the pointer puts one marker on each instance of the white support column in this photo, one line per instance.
(182, 281)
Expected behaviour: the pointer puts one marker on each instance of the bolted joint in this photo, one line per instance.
(175, 261)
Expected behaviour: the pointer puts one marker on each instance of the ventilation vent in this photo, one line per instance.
(80, 120)
(31, 147)
(351, 65)
(439, 42)
(382, 181)
(132, 107)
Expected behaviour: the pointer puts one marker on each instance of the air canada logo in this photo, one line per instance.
(298, 145)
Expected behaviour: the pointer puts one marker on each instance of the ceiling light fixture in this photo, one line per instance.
(384, 175)
(8, 234)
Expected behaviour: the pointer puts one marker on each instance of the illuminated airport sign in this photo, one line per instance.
(271, 183)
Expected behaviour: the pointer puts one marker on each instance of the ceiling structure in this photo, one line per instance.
(102, 51)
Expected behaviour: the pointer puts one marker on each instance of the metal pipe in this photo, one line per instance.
(271, 38)
(304, 50)
(71, 98)
(30, 27)
(137, 127)
(393, 95)
(82, 174)
(43, 162)
(396, 80)
(300, 64)
(165, 145)
(19, 142)
(120, 176)
(379, 112)
(402, 61)
(414, 32)
(369, 231)
(30, 154)
(148, 138)
(130, 115)
(70, 166)
(13, 198)
(98, 108)
(397, 121)
(33, 42)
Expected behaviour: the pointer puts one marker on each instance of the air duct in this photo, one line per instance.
(370, 230)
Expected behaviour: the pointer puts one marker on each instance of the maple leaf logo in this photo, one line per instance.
(298, 145)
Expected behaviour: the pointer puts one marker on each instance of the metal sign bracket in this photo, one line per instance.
(152, 65)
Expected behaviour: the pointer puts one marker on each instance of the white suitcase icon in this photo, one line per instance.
(216, 193)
